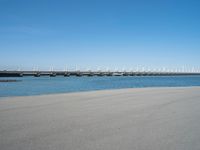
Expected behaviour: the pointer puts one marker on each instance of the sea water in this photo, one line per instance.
(50, 85)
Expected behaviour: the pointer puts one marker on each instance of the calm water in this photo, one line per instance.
(47, 85)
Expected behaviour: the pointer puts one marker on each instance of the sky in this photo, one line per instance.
(91, 34)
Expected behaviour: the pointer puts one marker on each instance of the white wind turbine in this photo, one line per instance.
(65, 69)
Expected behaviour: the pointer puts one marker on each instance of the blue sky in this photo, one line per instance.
(99, 33)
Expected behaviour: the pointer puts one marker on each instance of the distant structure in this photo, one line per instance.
(131, 72)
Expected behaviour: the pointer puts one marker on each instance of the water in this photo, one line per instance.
(48, 85)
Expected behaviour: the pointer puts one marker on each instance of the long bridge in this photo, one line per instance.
(93, 73)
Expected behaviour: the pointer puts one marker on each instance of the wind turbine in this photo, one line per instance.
(34, 69)
(65, 69)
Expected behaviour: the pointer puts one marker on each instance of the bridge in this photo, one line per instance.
(93, 73)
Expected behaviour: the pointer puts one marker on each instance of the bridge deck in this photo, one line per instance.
(89, 73)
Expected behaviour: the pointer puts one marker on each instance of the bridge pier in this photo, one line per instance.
(100, 74)
(37, 74)
(90, 74)
(66, 74)
(21, 74)
(52, 75)
(125, 74)
(78, 74)
(109, 74)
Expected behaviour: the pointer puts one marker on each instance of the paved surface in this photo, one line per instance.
(129, 119)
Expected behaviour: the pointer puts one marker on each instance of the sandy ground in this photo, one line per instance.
(128, 119)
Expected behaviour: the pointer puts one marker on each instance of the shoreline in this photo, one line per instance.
(98, 90)
(135, 118)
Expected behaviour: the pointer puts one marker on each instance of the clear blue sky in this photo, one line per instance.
(99, 33)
